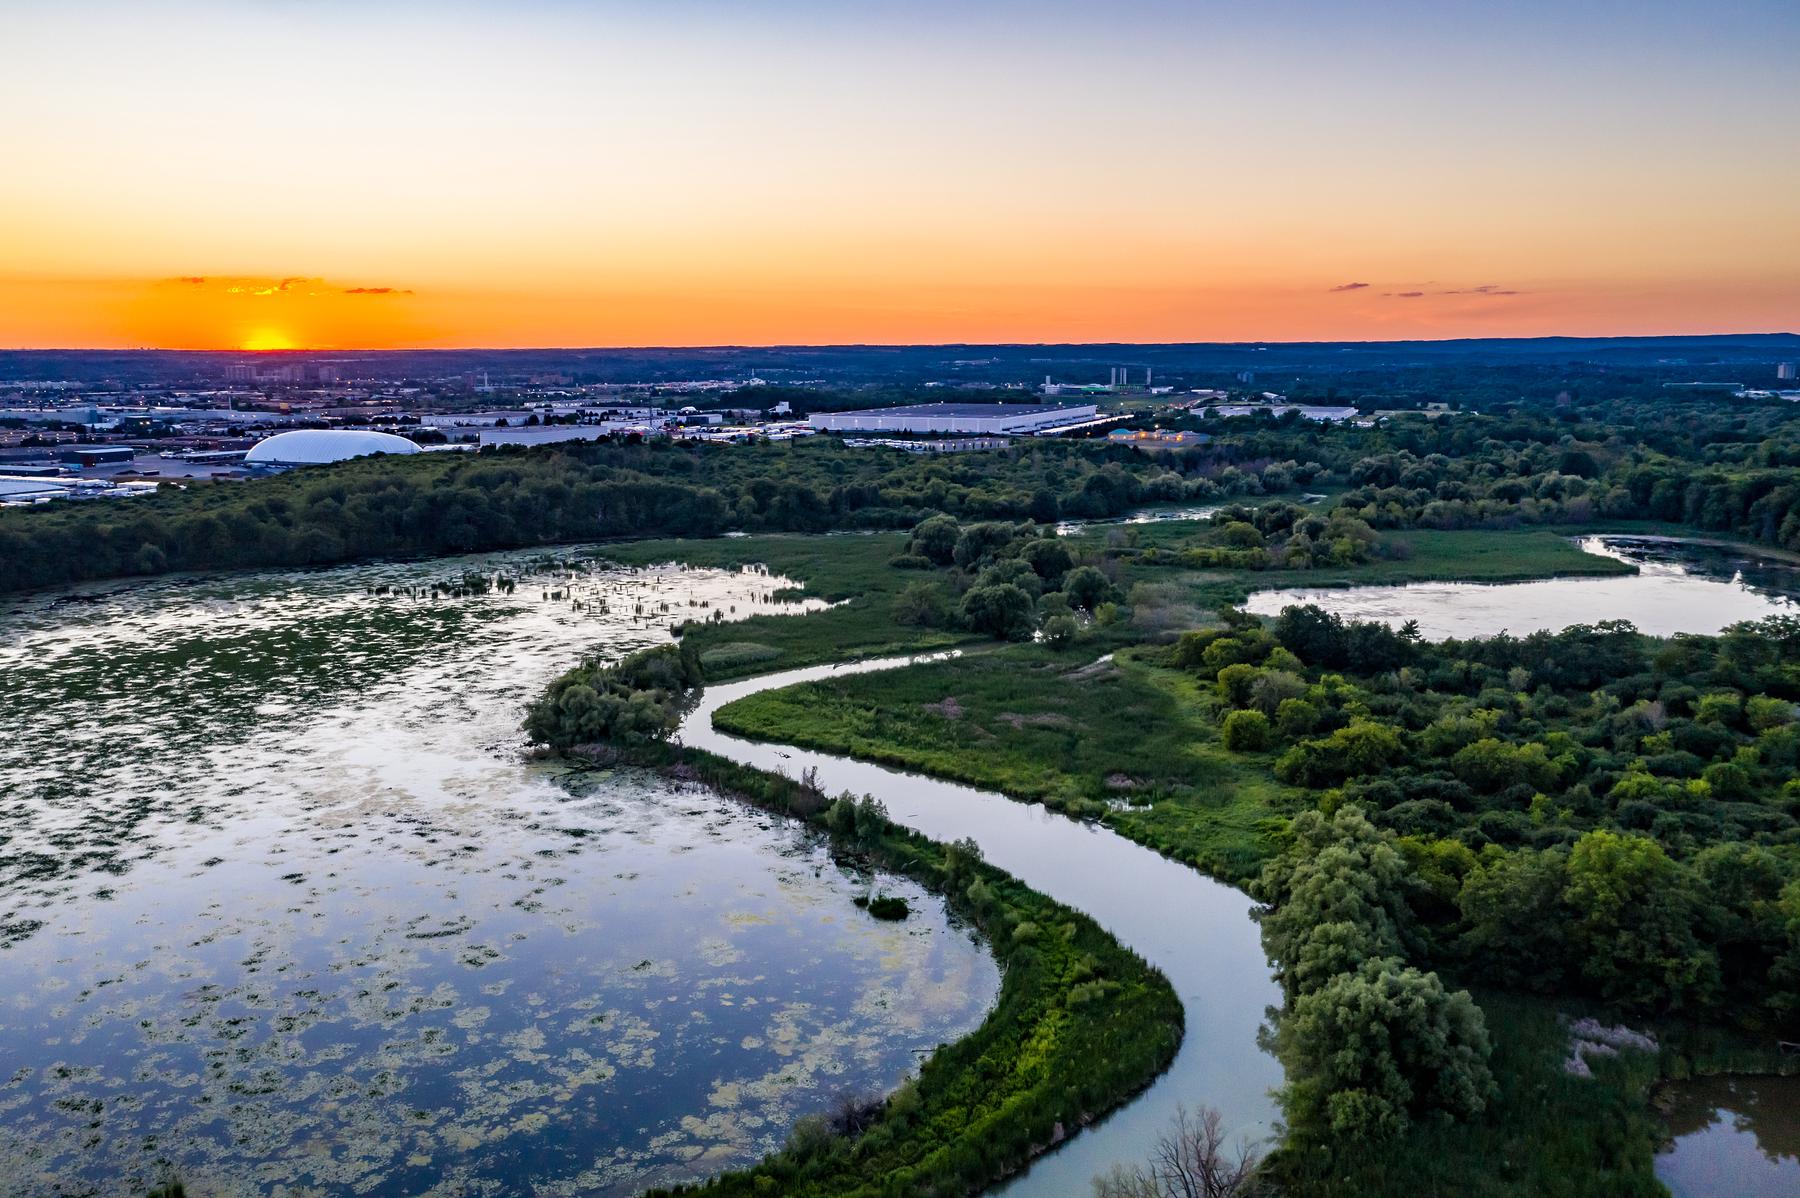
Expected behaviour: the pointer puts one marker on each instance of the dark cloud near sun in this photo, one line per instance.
(378, 291)
(1349, 286)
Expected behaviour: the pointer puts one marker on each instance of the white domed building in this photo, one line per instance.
(317, 446)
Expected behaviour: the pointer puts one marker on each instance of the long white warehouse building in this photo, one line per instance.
(993, 418)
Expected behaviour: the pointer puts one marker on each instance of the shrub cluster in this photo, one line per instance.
(628, 702)
(1591, 811)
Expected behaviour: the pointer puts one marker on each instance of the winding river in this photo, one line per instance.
(1196, 930)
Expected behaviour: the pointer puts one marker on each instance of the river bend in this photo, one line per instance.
(1196, 930)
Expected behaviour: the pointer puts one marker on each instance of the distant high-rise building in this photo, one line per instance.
(1785, 370)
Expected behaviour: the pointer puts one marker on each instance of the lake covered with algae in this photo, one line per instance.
(285, 908)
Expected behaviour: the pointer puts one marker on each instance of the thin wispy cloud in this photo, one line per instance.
(1350, 287)
(289, 285)
(1490, 290)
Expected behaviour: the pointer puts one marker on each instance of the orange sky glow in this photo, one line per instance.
(203, 175)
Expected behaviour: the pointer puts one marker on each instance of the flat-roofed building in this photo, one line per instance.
(994, 419)
(29, 490)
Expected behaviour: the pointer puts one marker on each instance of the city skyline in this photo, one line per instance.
(324, 175)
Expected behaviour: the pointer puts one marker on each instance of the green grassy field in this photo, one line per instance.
(1114, 740)
(1429, 556)
(1472, 556)
(1126, 743)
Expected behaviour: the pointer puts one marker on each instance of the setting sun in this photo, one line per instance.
(268, 339)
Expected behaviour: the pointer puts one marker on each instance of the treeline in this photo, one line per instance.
(1271, 536)
(1369, 1041)
(1719, 465)
(1015, 581)
(1593, 811)
(1002, 580)
(429, 504)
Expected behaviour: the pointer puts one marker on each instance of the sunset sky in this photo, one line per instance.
(276, 173)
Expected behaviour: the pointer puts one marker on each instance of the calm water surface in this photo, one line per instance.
(1680, 586)
(283, 906)
(1737, 1136)
(1148, 515)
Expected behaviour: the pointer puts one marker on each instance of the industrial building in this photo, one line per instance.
(947, 445)
(30, 490)
(993, 419)
(1156, 438)
(23, 491)
(548, 434)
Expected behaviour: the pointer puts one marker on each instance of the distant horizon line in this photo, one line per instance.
(851, 345)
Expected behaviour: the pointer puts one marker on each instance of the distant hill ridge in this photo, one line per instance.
(900, 363)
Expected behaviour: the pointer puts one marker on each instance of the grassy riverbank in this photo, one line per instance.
(1413, 556)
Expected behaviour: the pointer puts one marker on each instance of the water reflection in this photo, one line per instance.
(286, 907)
(1733, 1135)
(1680, 586)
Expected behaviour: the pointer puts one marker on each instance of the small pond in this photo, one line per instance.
(1680, 586)
(1736, 1136)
